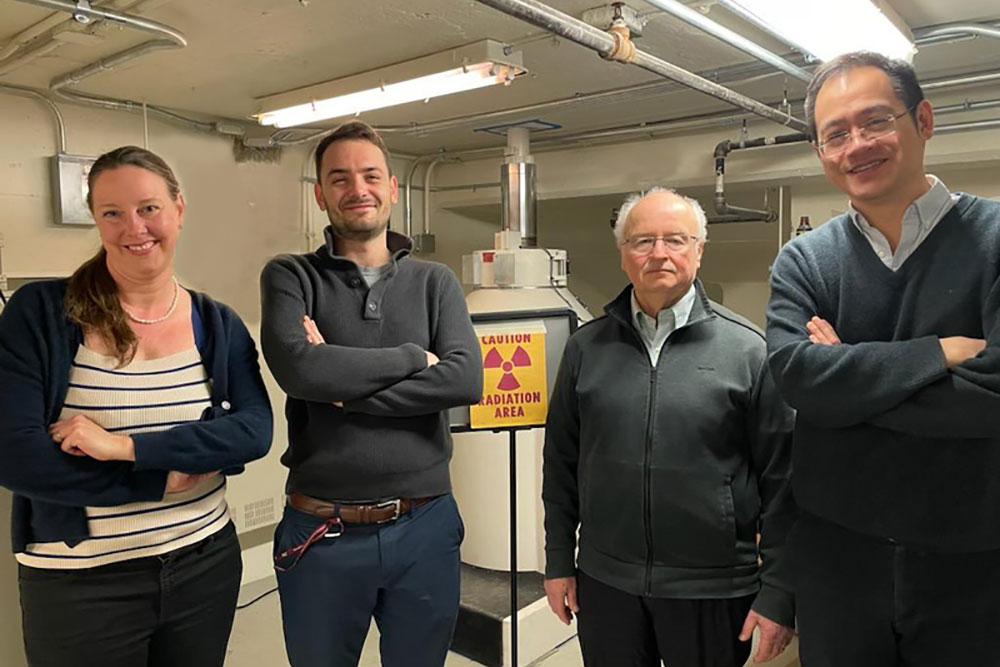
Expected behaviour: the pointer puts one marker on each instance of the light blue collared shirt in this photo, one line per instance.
(919, 220)
(654, 333)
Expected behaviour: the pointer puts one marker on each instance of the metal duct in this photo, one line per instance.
(518, 200)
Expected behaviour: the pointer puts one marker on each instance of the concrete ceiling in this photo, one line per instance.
(239, 50)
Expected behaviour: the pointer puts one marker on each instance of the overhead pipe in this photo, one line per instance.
(543, 16)
(407, 191)
(990, 124)
(60, 123)
(85, 13)
(169, 39)
(458, 121)
(976, 78)
(690, 123)
(128, 105)
(742, 73)
(966, 106)
(105, 64)
(7, 60)
(737, 41)
(723, 149)
(428, 174)
(947, 31)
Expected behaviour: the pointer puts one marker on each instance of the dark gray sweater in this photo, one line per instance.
(889, 441)
(391, 438)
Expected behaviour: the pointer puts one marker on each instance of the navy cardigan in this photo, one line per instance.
(37, 346)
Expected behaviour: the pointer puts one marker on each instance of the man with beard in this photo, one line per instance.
(372, 348)
(883, 333)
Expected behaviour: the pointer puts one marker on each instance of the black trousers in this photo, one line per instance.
(869, 602)
(617, 629)
(174, 610)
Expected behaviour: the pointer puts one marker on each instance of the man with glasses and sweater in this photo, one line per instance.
(667, 447)
(372, 348)
(883, 334)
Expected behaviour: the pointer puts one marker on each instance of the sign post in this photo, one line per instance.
(515, 397)
(517, 380)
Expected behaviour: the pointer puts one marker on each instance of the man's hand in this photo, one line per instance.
(316, 338)
(561, 593)
(181, 481)
(957, 349)
(312, 331)
(774, 638)
(821, 332)
(80, 436)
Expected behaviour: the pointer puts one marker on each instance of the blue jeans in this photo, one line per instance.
(159, 611)
(404, 573)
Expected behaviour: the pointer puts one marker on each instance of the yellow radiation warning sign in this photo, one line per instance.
(515, 391)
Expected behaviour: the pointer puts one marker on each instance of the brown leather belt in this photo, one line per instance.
(382, 512)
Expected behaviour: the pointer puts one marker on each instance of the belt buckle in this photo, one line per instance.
(395, 504)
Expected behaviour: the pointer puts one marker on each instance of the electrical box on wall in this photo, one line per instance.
(69, 189)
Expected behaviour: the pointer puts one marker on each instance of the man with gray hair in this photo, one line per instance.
(667, 447)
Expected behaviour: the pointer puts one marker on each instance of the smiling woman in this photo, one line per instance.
(134, 399)
(139, 210)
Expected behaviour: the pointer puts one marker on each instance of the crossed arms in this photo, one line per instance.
(400, 381)
(939, 387)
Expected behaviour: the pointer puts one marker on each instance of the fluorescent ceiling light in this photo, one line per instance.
(469, 67)
(827, 29)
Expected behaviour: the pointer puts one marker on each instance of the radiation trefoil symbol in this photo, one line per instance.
(495, 360)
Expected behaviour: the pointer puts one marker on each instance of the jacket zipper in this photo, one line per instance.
(647, 517)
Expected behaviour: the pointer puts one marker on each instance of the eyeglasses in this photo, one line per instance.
(643, 245)
(837, 142)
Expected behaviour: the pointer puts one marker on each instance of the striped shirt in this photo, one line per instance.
(142, 397)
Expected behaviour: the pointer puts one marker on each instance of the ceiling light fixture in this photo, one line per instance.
(480, 64)
(826, 29)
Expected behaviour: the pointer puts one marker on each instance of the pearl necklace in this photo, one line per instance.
(157, 320)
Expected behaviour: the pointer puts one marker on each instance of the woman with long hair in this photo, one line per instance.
(126, 401)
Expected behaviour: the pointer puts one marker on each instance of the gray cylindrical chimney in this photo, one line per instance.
(517, 187)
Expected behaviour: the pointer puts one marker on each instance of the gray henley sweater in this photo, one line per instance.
(391, 438)
(888, 440)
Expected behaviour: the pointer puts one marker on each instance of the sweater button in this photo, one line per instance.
(372, 307)
(225, 405)
(355, 282)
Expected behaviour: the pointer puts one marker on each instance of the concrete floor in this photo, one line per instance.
(257, 642)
